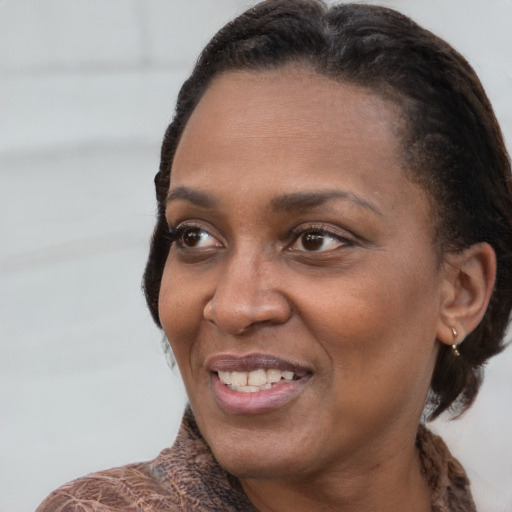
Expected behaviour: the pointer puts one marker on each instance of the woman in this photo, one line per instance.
(332, 260)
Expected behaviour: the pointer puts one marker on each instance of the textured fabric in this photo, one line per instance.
(187, 478)
(445, 475)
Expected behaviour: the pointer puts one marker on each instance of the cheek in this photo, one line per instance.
(370, 305)
(179, 308)
(378, 325)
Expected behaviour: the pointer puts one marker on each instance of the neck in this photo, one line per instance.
(389, 480)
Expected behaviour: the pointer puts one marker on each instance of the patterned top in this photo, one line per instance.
(187, 478)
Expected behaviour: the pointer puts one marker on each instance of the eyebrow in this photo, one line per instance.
(197, 197)
(299, 202)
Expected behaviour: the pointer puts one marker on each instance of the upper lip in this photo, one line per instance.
(250, 362)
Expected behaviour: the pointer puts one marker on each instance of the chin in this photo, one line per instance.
(263, 453)
(257, 464)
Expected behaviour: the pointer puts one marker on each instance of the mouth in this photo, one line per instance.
(255, 384)
(257, 380)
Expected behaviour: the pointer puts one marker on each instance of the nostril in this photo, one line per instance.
(240, 313)
(208, 311)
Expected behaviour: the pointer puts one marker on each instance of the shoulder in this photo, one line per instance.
(133, 487)
(183, 478)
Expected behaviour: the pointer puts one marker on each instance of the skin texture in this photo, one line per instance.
(363, 312)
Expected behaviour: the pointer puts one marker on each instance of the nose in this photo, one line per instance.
(247, 295)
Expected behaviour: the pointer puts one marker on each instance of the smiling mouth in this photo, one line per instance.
(255, 383)
(257, 380)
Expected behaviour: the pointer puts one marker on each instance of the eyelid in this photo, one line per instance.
(343, 236)
(336, 232)
(192, 223)
(176, 230)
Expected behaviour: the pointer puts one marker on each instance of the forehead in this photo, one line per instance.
(281, 121)
(294, 100)
(293, 103)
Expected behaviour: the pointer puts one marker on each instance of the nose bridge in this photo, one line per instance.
(246, 292)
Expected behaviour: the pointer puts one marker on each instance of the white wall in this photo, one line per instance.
(87, 88)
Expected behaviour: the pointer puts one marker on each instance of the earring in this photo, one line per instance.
(455, 350)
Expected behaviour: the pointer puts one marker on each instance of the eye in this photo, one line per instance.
(318, 240)
(193, 237)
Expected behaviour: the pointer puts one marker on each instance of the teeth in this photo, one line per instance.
(225, 377)
(247, 389)
(239, 379)
(250, 389)
(257, 380)
(274, 375)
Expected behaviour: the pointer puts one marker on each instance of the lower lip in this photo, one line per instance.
(256, 402)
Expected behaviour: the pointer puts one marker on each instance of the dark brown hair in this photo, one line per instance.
(452, 144)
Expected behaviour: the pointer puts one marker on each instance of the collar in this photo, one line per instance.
(202, 481)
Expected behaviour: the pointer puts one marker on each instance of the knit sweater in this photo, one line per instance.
(186, 477)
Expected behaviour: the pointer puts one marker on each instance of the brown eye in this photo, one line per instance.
(195, 238)
(312, 241)
(191, 237)
(318, 240)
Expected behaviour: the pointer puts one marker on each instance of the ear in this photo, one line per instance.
(466, 291)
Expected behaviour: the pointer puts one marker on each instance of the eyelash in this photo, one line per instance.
(323, 231)
(177, 233)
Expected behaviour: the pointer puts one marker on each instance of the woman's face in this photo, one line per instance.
(302, 295)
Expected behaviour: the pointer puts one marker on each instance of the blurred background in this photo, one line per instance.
(87, 88)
